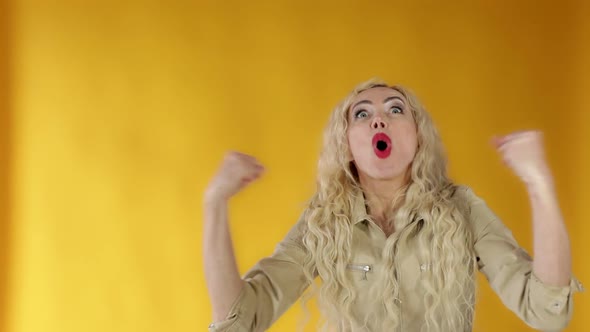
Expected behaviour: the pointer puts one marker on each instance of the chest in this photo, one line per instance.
(371, 268)
(373, 261)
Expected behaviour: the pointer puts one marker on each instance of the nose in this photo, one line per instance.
(378, 123)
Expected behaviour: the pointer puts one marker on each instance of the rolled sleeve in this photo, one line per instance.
(555, 301)
(238, 309)
(508, 268)
(270, 287)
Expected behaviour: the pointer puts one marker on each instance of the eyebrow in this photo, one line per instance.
(384, 101)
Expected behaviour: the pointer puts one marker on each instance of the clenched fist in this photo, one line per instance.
(523, 152)
(236, 171)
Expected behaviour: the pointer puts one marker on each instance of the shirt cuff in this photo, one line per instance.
(555, 299)
(230, 323)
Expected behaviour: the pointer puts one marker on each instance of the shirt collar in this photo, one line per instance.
(359, 207)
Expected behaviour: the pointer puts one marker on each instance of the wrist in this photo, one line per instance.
(541, 187)
(214, 198)
(540, 178)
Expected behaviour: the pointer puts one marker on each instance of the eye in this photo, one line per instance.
(396, 110)
(361, 114)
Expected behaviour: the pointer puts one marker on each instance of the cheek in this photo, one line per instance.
(408, 137)
(354, 140)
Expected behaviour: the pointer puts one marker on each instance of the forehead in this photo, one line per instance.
(378, 94)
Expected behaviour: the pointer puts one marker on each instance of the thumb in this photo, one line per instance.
(497, 141)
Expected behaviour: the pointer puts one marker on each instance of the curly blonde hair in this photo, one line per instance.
(428, 218)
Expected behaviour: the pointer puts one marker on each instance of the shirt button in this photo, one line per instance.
(556, 305)
(423, 267)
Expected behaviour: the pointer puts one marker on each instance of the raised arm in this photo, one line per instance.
(538, 290)
(268, 289)
(509, 270)
(523, 152)
(221, 272)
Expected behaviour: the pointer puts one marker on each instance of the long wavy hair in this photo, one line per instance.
(428, 220)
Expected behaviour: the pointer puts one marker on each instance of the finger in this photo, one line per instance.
(247, 180)
(519, 134)
(523, 141)
(245, 157)
(253, 163)
(259, 171)
(254, 173)
(251, 178)
(517, 140)
(496, 141)
(255, 168)
(239, 158)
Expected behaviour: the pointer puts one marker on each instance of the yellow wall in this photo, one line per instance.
(577, 197)
(5, 152)
(120, 113)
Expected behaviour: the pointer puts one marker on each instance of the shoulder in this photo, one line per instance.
(462, 197)
(475, 208)
(463, 192)
(466, 195)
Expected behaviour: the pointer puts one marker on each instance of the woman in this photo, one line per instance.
(394, 242)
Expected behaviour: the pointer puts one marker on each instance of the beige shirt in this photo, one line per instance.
(276, 282)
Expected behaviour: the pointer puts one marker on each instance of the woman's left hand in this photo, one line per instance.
(524, 153)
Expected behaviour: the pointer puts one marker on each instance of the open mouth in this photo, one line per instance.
(381, 145)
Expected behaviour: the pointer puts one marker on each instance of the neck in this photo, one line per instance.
(382, 196)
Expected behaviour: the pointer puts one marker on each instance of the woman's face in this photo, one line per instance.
(381, 134)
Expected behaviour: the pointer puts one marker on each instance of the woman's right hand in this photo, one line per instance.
(236, 171)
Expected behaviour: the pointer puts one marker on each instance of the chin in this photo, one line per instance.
(388, 174)
(388, 171)
(386, 177)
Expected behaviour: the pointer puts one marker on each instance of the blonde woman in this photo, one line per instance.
(395, 243)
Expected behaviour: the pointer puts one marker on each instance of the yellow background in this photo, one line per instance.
(115, 114)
